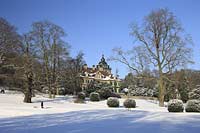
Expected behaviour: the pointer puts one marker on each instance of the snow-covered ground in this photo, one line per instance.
(62, 115)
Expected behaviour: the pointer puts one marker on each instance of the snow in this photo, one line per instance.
(62, 115)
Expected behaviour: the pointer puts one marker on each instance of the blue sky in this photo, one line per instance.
(97, 26)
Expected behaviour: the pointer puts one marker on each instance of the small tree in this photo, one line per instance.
(73, 71)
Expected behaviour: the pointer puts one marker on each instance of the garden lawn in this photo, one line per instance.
(62, 115)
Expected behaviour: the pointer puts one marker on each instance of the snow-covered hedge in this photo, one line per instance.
(142, 91)
(192, 106)
(129, 103)
(175, 105)
(81, 95)
(113, 102)
(94, 96)
(195, 94)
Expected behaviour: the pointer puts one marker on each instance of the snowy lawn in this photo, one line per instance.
(64, 116)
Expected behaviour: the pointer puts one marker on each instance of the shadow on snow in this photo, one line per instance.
(102, 121)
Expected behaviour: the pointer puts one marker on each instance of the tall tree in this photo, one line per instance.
(10, 44)
(164, 44)
(28, 68)
(51, 48)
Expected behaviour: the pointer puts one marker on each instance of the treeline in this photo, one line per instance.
(37, 60)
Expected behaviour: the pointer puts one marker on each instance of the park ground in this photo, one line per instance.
(62, 115)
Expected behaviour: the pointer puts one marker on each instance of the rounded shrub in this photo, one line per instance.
(175, 105)
(81, 96)
(113, 102)
(105, 93)
(94, 96)
(129, 103)
(192, 106)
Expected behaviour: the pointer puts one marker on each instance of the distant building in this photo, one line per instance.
(100, 73)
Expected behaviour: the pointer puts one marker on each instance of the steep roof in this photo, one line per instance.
(103, 63)
(91, 70)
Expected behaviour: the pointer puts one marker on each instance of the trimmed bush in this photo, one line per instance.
(105, 93)
(113, 102)
(81, 96)
(129, 103)
(94, 96)
(192, 106)
(175, 105)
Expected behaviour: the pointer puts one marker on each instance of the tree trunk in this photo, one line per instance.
(27, 98)
(57, 91)
(161, 92)
(28, 93)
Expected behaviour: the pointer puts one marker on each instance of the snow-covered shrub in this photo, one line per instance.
(195, 94)
(175, 105)
(94, 96)
(137, 91)
(81, 95)
(113, 102)
(129, 103)
(192, 106)
(105, 93)
(142, 91)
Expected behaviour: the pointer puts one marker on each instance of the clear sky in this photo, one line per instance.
(97, 26)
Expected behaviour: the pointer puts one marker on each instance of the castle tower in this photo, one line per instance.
(103, 65)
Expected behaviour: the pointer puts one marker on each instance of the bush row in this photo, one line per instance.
(176, 105)
(114, 102)
(96, 96)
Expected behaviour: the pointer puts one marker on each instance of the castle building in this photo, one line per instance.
(101, 73)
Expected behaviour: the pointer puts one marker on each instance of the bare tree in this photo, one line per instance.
(28, 68)
(164, 43)
(135, 58)
(51, 47)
